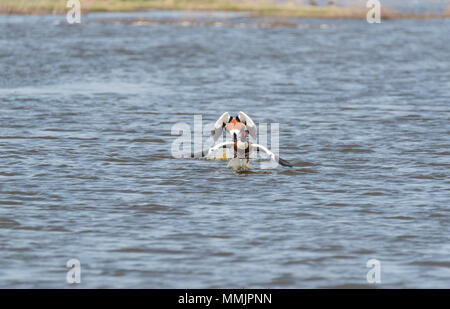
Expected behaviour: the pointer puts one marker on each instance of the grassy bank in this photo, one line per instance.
(259, 8)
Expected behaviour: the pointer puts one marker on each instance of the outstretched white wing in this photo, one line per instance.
(271, 154)
(221, 145)
(206, 153)
(218, 126)
(251, 127)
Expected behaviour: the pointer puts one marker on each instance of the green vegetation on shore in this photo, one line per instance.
(258, 8)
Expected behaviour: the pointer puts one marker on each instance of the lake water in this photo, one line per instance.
(86, 169)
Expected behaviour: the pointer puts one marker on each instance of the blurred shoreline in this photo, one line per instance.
(256, 9)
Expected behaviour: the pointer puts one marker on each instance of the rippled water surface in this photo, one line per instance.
(86, 170)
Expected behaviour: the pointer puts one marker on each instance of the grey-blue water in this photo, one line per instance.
(86, 169)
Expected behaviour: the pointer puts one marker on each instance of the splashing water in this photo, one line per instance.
(239, 164)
